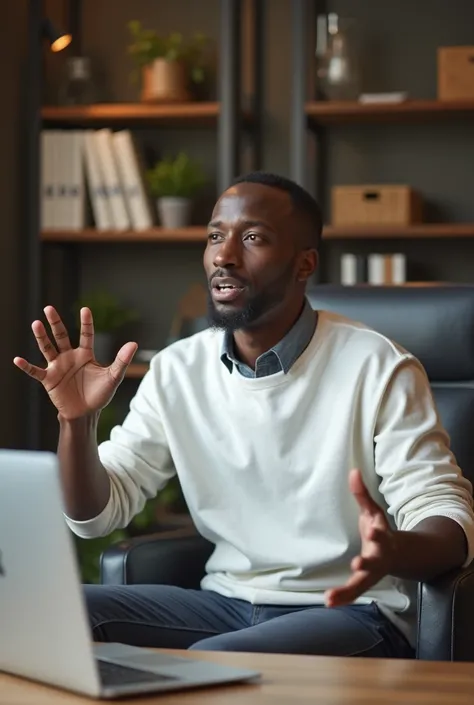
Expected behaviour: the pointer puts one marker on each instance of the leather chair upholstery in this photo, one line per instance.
(436, 324)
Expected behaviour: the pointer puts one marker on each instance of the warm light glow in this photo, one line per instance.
(61, 43)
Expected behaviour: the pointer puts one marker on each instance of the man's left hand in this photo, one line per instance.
(377, 547)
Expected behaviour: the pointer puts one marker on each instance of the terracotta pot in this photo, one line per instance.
(165, 82)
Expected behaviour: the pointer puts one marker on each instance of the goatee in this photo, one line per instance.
(231, 321)
(255, 308)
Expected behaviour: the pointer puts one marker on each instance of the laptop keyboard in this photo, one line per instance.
(114, 674)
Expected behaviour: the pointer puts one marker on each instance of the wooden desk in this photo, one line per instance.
(289, 680)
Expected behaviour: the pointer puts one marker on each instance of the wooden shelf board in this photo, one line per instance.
(132, 113)
(341, 112)
(91, 235)
(366, 285)
(423, 230)
(137, 370)
(198, 233)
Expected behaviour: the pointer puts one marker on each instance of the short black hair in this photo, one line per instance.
(302, 201)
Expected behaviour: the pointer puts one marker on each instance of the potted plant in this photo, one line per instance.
(109, 316)
(166, 510)
(169, 65)
(174, 182)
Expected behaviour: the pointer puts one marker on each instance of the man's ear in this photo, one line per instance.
(309, 260)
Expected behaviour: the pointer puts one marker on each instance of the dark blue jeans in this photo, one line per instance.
(164, 616)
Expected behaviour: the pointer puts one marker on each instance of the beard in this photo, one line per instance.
(258, 304)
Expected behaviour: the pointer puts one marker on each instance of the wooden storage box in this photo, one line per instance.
(375, 205)
(456, 73)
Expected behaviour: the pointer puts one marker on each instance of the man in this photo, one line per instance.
(308, 449)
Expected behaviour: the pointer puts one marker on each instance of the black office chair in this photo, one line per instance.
(436, 324)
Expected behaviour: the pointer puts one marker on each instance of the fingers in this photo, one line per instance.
(124, 357)
(360, 492)
(357, 584)
(31, 370)
(59, 332)
(44, 343)
(86, 339)
(59, 329)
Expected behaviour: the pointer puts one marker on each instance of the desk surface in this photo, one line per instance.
(296, 679)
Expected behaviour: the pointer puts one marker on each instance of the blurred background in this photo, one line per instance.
(121, 122)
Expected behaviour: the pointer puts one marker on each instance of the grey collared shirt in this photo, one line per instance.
(282, 356)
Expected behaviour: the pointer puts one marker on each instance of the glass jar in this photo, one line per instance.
(337, 58)
(77, 87)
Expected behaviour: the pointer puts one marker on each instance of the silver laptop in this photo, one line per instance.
(44, 629)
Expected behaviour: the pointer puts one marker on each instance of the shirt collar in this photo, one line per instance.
(282, 355)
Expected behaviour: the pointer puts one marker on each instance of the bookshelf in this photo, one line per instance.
(314, 118)
(422, 230)
(322, 113)
(91, 235)
(197, 234)
(194, 114)
(238, 108)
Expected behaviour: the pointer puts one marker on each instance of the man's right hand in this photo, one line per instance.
(76, 383)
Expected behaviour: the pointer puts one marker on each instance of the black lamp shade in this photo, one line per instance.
(57, 40)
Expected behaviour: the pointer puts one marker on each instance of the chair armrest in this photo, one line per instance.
(446, 617)
(177, 557)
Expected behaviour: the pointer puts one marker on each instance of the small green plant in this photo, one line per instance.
(90, 550)
(109, 315)
(147, 45)
(180, 177)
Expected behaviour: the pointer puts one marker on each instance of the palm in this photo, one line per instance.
(75, 382)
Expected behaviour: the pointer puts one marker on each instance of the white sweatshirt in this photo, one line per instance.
(263, 462)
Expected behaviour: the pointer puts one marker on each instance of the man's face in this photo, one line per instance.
(252, 256)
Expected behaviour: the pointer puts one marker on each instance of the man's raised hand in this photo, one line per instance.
(76, 383)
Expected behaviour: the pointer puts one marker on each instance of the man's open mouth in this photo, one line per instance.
(226, 289)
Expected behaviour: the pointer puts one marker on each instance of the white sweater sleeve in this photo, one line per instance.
(419, 475)
(138, 462)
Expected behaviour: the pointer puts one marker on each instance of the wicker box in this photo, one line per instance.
(375, 205)
(456, 73)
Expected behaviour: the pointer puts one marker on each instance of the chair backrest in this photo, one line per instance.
(434, 323)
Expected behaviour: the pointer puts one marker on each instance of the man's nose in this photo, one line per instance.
(228, 253)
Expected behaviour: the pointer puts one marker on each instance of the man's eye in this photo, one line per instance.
(252, 236)
(214, 237)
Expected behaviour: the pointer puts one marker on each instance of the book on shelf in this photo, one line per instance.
(97, 167)
(110, 178)
(131, 179)
(375, 269)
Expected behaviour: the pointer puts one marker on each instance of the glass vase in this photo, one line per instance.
(337, 58)
(77, 87)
